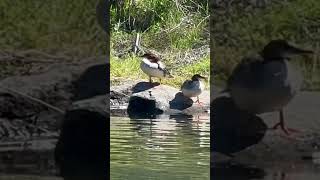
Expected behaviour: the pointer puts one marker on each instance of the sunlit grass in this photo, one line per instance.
(129, 68)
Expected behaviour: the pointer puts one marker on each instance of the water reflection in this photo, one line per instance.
(168, 147)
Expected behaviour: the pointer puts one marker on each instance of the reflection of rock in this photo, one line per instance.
(232, 129)
(81, 150)
(151, 100)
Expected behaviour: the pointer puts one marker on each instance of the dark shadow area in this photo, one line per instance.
(180, 102)
(102, 10)
(143, 86)
(81, 152)
(142, 108)
(229, 171)
(92, 82)
(233, 130)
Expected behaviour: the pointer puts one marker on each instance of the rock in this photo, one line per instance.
(81, 151)
(234, 130)
(56, 87)
(92, 82)
(98, 104)
(153, 99)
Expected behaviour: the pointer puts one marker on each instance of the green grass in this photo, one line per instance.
(130, 69)
(57, 27)
(171, 28)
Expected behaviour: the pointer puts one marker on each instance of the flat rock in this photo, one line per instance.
(153, 99)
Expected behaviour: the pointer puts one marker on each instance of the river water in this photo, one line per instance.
(171, 147)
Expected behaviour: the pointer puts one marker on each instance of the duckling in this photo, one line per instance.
(153, 67)
(193, 87)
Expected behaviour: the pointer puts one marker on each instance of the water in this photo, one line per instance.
(175, 147)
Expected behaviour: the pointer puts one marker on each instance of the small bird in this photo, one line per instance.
(153, 67)
(193, 87)
(267, 83)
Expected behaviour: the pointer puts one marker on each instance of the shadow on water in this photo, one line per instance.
(176, 102)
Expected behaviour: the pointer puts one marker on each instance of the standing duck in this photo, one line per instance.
(153, 67)
(267, 83)
(193, 87)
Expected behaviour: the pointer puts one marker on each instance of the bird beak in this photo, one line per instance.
(205, 78)
(296, 50)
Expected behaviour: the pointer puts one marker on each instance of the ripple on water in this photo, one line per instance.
(171, 148)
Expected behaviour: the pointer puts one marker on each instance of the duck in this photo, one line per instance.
(153, 67)
(267, 82)
(193, 87)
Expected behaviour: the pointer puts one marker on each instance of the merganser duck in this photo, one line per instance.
(153, 67)
(267, 83)
(193, 87)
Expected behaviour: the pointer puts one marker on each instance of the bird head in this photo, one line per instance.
(151, 57)
(198, 77)
(281, 49)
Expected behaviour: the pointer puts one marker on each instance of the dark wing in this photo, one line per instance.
(186, 84)
(243, 71)
(162, 67)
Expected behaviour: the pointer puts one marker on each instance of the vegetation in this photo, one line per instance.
(178, 30)
(243, 29)
(58, 28)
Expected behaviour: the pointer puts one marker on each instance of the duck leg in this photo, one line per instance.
(282, 125)
(150, 80)
(198, 101)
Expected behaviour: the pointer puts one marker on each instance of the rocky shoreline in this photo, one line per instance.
(142, 99)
